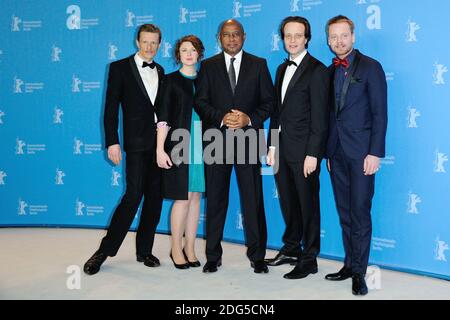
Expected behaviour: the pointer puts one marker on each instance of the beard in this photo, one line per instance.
(343, 51)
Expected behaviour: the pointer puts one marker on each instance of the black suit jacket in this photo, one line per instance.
(176, 109)
(253, 93)
(304, 113)
(126, 88)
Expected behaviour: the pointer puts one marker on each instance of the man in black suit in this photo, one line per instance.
(301, 117)
(235, 91)
(134, 83)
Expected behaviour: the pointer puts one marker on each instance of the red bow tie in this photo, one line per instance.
(343, 62)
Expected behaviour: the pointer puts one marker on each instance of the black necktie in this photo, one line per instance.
(151, 65)
(290, 63)
(232, 74)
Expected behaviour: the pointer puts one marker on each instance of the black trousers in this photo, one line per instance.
(252, 206)
(143, 179)
(353, 193)
(299, 201)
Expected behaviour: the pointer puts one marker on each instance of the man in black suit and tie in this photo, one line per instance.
(356, 143)
(134, 83)
(235, 91)
(301, 117)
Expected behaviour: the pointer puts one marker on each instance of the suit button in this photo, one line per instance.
(338, 119)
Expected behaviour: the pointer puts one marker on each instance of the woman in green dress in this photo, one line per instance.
(183, 178)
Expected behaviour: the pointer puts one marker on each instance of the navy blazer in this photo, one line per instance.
(359, 120)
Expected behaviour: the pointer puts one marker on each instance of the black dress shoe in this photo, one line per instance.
(342, 274)
(192, 264)
(280, 259)
(211, 266)
(259, 266)
(179, 266)
(359, 286)
(149, 260)
(92, 266)
(301, 271)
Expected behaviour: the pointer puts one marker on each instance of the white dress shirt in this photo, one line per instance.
(150, 78)
(290, 70)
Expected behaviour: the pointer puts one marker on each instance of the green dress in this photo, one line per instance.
(196, 169)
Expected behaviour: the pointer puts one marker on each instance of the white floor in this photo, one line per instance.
(47, 264)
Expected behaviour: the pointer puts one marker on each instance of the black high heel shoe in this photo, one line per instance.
(179, 266)
(192, 264)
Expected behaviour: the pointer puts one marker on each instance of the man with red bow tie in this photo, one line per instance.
(356, 142)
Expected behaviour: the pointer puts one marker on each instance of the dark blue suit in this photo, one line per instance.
(357, 128)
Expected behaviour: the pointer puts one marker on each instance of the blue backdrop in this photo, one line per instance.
(53, 68)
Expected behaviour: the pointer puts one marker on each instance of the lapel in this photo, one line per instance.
(138, 78)
(160, 82)
(300, 70)
(244, 71)
(333, 91)
(279, 80)
(348, 79)
(224, 72)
